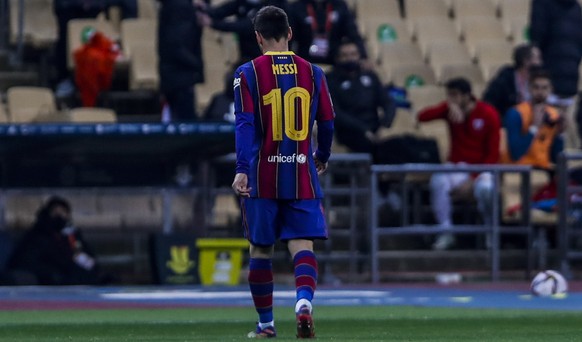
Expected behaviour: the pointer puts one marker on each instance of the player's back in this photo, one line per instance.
(285, 92)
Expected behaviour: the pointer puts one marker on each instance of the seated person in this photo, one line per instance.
(510, 86)
(533, 127)
(474, 134)
(54, 251)
(318, 28)
(357, 95)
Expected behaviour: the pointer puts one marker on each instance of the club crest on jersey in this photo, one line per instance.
(294, 158)
(236, 82)
(478, 124)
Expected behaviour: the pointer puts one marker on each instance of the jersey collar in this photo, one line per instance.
(270, 53)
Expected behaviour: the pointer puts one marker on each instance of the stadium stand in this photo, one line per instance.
(423, 8)
(469, 8)
(427, 30)
(27, 104)
(92, 114)
(39, 25)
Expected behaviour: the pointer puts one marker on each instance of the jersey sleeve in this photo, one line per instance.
(245, 130)
(325, 110)
(243, 100)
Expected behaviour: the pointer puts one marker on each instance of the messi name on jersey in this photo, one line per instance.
(284, 69)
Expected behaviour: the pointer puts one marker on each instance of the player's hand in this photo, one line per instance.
(321, 167)
(455, 113)
(239, 185)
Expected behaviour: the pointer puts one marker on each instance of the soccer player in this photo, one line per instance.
(278, 97)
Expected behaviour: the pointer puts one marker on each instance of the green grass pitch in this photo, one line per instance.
(391, 323)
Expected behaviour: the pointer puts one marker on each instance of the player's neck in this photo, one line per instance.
(276, 46)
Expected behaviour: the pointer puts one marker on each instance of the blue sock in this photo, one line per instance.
(305, 274)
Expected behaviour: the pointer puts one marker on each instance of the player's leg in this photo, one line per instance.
(259, 217)
(441, 185)
(303, 221)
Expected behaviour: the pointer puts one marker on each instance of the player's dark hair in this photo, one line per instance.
(538, 72)
(272, 23)
(521, 54)
(459, 83)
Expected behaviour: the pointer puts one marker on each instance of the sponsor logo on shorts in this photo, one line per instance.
(294, 158)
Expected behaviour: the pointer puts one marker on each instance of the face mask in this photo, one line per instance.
(57, 223)
(349, 66)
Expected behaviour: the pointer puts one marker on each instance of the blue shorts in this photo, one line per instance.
(267, 220)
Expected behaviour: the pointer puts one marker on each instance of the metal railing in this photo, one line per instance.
(377, 231)
(354, 168)
(566, 229)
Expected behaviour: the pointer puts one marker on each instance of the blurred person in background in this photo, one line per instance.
(474, 128)
(54, 251)
(511, 84)
(319, 26)
(180, 57)
(556, 27)
(534, 127)
(220, 18)
(358, 96)
(65, 10)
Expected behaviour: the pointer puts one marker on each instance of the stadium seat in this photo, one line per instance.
(491, 54)
(134, 210)
(147, 9)
(465, 8)
(20, 211)
(39, 23)
(370, 9)
(213, 83)
(476, 29)
(424, 8)
(399, 53)
(27, 104)
(143, 67)
(412, 75)
(76, 26)
(447, 52)
(378, 32)
(425, 96)
(517, 30)
(514, 8)
(427, 30)
(468, 71)
(385, 29)
(439, 131)
(404, 123)
(92, 114)
(138, 31)
(3, 113)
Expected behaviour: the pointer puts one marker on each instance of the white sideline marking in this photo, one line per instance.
(183, 294)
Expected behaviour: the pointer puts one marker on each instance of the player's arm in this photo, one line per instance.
(244, 133)
(325, 117)
(439, 111)
(518, 142)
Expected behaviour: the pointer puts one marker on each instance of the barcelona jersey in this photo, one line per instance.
(278, 97)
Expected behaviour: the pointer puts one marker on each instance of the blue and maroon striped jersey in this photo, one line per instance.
(278, 97)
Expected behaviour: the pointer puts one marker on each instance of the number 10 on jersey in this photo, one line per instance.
(286, 105)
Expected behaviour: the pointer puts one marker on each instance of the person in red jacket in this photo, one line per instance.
(474, 128)
(95, 63)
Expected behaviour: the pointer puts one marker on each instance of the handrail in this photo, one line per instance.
(496, 169)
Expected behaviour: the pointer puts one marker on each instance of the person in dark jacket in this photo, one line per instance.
(180, 57)
(54, 251)
(358, 95)
(511, 84)
(220, 19)
(556, 27)
(318, 28)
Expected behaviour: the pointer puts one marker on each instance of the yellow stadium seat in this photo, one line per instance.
(93, 115)
(27, 104)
